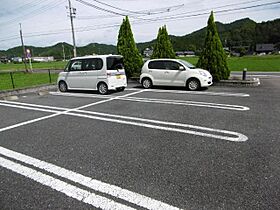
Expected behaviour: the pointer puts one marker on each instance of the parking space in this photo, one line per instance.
(11, 116)
(142, 149)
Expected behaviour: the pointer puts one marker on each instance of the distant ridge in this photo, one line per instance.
(243, 32)
(240, 33)
(57, 50)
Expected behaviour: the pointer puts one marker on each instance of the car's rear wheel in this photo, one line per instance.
(193, 84)
(62, 86)
(147, 83)
(103, 88)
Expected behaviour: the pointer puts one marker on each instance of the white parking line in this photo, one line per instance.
(63, 187)
(60, 113)
(142, 122)
(85, 196)
(195, 92)
(188, 103)
(160, 101)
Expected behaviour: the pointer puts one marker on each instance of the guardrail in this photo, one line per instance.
(20, 79)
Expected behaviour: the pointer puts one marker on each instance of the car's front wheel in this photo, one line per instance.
(147, 83)
(62, 86)
(193, 84)
(103, 88)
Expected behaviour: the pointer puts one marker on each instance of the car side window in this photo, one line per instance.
(92, 64)
(172, 65)
(114, 63)
(156, 65)
(75, 65)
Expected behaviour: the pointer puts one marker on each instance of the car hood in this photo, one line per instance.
(203, 70)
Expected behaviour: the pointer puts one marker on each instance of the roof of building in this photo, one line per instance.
(264, 47)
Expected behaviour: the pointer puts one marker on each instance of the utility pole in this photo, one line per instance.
(72, 12)
(23, 48)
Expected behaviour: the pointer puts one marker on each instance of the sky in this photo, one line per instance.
(47, 22)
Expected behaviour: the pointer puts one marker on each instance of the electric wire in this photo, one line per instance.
(97, 27)
(34, 12)
(129, 11)
(149, 12)
(23, 7)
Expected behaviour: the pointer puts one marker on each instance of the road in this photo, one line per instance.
(158, 149)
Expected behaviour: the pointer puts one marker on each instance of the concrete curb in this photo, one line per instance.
(254, 82)
(42, 88)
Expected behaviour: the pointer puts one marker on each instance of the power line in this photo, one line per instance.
(90, 28)
(219, 7)
(24, 6)
(106, 10)
(180, 16)
(124, 10)
(37, 11)
(100, 8)
(147, 12)
(189, 12)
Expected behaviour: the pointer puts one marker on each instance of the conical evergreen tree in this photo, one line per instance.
(127, 48)
(213, 57)
(163, 47)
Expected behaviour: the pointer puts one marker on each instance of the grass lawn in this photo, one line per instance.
(22, 79)
(252, 63)
(42, 65)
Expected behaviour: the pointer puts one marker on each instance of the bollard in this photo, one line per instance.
(244, 74)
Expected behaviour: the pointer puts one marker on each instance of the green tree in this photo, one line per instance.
(163, 47)
(127, 48)
(213, 57)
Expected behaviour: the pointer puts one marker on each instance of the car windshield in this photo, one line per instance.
(114, 63)
(67, 66)
(187, 64)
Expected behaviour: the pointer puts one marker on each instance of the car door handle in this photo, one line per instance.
(166, 72)
(150, 71)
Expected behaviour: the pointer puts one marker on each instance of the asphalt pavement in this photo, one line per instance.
(164, 148)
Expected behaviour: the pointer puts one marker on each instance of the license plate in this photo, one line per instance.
(118, 76)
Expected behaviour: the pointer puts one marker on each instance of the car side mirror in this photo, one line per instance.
(182, 68)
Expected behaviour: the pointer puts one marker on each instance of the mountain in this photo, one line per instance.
(57, 50)
(241, 33)
(244, 33)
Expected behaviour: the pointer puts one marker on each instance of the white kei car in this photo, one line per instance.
(102, 73)
(174, 72)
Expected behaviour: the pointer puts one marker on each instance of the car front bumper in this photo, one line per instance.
(206, 81)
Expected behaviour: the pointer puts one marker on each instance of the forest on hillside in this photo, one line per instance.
(239, 35)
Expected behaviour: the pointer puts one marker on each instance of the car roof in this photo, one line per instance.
(164, 59)
(96, 56)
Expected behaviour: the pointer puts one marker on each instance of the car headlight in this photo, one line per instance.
(203, 73)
